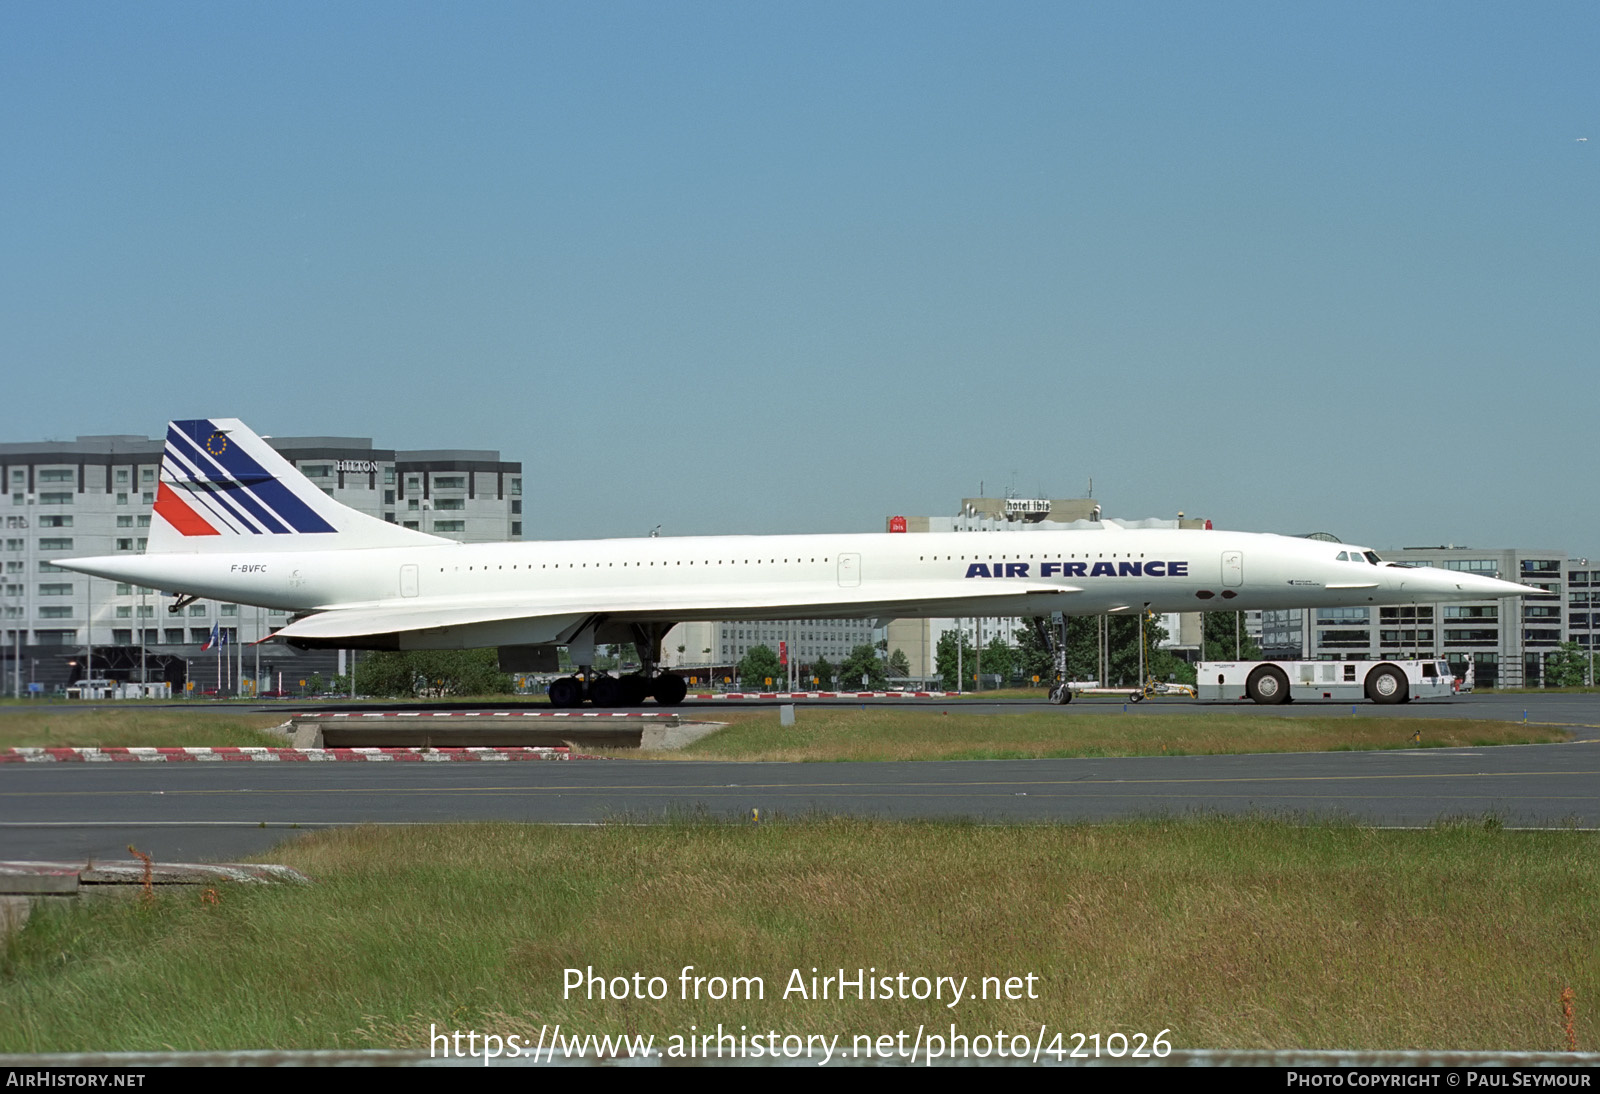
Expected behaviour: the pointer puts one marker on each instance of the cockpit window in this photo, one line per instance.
(1344, 556)
(1373, 558)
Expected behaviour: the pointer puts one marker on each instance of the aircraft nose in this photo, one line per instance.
(1428, 579)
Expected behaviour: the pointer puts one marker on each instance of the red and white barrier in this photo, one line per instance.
(480, 714)
(826, 694)
(280, 755)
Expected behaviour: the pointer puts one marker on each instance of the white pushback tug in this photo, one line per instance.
(1270, 682)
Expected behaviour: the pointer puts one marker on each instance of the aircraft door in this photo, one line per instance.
(849, 571)
(408, 580)
(1232, 569)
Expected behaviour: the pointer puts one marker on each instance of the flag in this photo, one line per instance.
(215, 640)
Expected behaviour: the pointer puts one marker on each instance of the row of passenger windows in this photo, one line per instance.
(783, 561)
(636, 565)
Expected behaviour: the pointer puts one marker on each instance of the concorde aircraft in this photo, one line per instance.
(235, 521)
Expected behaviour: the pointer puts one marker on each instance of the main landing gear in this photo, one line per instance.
(668, 689)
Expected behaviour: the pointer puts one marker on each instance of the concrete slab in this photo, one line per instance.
(664, 738)
(65, 878)
(14, 913)
(463, 729)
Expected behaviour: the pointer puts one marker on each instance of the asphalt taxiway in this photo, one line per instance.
(213, 811)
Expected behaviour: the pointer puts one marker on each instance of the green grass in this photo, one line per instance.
(937, 733)
(1539, 691)
(134, 727)
(1248, 933)
(848, 733)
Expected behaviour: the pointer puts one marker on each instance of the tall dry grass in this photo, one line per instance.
(1228, 933)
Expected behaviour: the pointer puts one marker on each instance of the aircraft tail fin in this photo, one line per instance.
(224, 489)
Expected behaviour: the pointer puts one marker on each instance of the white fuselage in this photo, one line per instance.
(807, 576)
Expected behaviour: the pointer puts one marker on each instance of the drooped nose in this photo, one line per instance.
(1426, 581)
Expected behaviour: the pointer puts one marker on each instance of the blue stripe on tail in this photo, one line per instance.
(246, 483)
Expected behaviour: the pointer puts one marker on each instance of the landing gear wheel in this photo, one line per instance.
(669, 689)
(566, 692)
(1387, 684)
(605, 691)
(1268, 686)
(635, 689)
(1061, 696)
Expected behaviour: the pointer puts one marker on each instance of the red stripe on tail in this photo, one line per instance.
(176, 512)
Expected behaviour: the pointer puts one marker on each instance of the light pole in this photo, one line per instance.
(21, 614)
(978, 653)
(23, 599)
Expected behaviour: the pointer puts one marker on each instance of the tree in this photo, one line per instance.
(759, 665)
(1220, 631)
(1564, 668)
(1123, 640)
(822, 669)
(863, 661)
(1159, 663)
(999, 659)
(386, 674)
(1083, 648)
(1122, 652)
(899, 663)
(393, 673)
(1033, 656)
(944, 658)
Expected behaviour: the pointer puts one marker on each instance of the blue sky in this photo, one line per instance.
(794, 267)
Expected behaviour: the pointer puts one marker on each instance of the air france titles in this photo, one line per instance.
(1153, 568)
